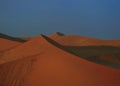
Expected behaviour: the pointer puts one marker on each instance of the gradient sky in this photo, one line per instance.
(95, 18)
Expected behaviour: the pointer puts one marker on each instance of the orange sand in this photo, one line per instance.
(6, 44)
(40, 62)
(76, 40)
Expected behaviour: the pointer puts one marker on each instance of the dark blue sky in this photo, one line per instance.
(95, 18)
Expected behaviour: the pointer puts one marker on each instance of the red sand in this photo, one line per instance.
(113, 42)
(43, 64)
(6, 44)
(76, 40)
(27, 49)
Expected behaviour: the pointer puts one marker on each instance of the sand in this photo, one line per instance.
(76, 40)
(6, 45)
(42, 62)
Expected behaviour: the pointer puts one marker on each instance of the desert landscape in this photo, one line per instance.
(59, 60)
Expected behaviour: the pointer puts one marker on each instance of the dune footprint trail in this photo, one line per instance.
(41, 62)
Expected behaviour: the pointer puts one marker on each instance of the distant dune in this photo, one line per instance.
(76, 40)
(89, 48)
(44, 63)
(11, 38)
(48, 61)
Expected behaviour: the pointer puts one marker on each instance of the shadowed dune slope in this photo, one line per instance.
(46, 64)
(111, 57)
(76, 40)
(94, 52)
(89, 48)
(11, 38)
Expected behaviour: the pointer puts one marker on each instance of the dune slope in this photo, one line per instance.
(87, 47)
(6, 45)
(11, 38)
(27, 49)
(111, 57)
(48, 65)
(76, 40)
(73, 40)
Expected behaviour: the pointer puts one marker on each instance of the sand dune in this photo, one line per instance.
(111, 57)
(11, 38)
(27, 49)
(76, 40)
(113, 42)
(56, 35)
(89, 48)
(6, 45)
(93, 53)
(43, 62)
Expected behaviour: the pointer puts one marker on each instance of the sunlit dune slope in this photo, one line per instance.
(113, 42)
(76, 40)
(45, 64)
(29, 48)
(6, 45)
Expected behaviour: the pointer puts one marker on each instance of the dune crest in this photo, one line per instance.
(46, 64)
(56, 35)
(4, 36)
(29, 48)
(76, 40)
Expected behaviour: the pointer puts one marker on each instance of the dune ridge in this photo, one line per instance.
(29, 48)
(11, 38)
(76, 40)
(45, 63)
(90, 48)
